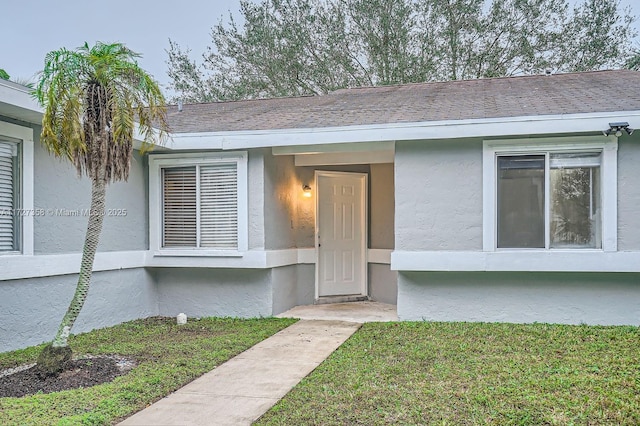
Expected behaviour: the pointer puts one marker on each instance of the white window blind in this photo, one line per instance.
(179, 207)
(219, 206)
(200, 206)
(8, 154)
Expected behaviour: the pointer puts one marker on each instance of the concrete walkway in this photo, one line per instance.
(245, 387)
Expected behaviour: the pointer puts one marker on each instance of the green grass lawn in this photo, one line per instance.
(169, 356)
(470, 373)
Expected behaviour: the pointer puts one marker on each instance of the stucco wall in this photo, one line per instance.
(381, 207)
(629, 192)
(31, 310)
(255, 169)
(282, 192)
(61, 193)
(285, 288)
(292, 286)
(438, 195)
(383, 283)
(243, 293)
(566, 298)
(306, 290)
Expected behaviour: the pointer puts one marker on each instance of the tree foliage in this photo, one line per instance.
(301, 47)
(4, 75)
(633, 63)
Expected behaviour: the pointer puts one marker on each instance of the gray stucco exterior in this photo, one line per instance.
(31, 309)
(438, 195)
(62, 195)
(383, 283)
(60, 192)
(567, 298)
(292, 286)
(381, 207)
(629, 193)
(243, 293)
(439, 207)
(282, 189)
(256, 199)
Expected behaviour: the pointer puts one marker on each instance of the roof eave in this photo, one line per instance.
(16, 102)
(430, 130)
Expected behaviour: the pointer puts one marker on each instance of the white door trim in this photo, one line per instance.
(365, 225)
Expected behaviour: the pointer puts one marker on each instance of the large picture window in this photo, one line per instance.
(202, 203)
(9, 197)
(550, 194)
(566, 209)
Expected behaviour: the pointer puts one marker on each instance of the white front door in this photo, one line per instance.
(341, 238)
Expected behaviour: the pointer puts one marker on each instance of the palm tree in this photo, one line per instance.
(92, 98)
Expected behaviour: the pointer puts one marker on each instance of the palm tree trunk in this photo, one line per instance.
(92, 237)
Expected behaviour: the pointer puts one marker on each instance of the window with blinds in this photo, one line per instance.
(9, 220)
(200, 206)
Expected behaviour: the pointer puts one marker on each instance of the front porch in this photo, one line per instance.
(334, 204)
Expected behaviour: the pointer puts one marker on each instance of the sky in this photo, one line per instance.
(31, 28)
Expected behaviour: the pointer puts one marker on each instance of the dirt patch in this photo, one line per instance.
(78, 373)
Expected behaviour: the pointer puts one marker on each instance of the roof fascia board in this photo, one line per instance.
(17, 95)
(450, 129)
(139, 144)
(16, 102)
(182, 141)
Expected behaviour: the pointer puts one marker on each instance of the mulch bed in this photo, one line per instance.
(78, 373)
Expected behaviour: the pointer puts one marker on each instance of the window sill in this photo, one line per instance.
(12, 253)
(197, 253)
(544, 250)
(585, 260)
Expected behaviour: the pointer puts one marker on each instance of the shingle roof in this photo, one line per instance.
(597, 91)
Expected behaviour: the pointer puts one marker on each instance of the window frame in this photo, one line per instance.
(158, 162)
(608, 145)
(23, 136)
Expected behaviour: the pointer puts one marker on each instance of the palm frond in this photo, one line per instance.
(92, 97)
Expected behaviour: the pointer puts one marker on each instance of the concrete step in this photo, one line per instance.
(340, 299)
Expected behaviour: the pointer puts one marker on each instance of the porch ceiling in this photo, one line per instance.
(340, 154)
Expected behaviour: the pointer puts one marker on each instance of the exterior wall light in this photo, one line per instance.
(306, 191)
(617, 128)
